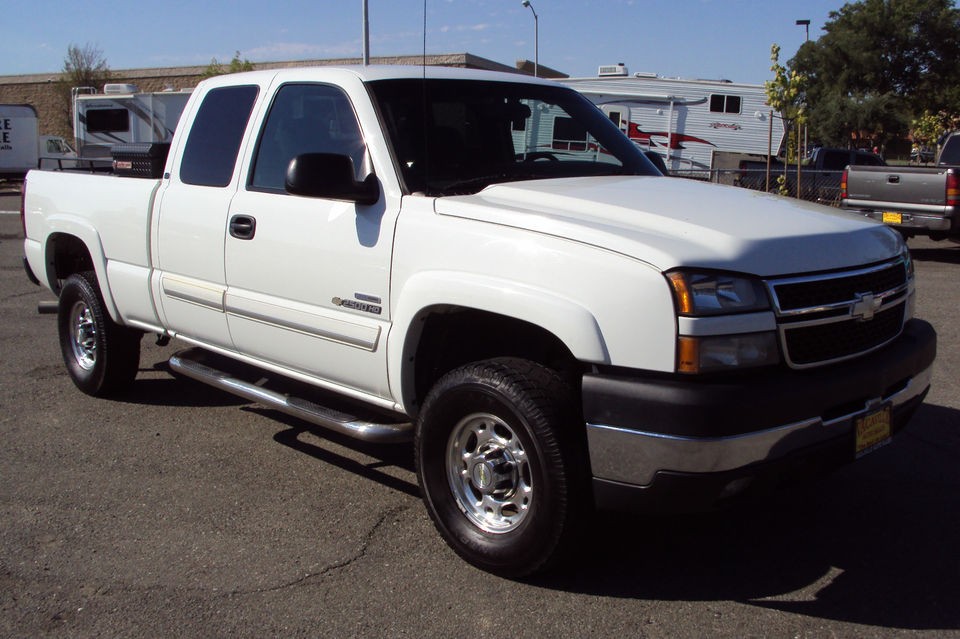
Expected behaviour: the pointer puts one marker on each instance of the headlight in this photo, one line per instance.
(705, 297)
(907, 261)
(725, 352)
(703, 293)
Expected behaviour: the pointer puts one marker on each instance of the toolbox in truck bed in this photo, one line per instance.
(140, 159)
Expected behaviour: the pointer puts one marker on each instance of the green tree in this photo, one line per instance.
(786, 94)
(879, 64)
(84, 66)
(236, 65)
(928, 128)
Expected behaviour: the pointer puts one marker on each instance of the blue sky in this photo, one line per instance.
(681, 38)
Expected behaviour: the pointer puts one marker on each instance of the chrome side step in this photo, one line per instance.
(192, 363)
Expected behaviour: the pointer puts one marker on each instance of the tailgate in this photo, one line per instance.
(902, 188)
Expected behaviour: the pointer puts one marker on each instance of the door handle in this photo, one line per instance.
(243, 227)
(893, 179)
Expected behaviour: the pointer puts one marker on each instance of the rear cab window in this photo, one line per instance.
(210, 154)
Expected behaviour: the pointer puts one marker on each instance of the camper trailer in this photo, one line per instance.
(688, 122)
(122, 114)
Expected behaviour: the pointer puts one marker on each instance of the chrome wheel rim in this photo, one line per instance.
(83, 336)
(489, 473)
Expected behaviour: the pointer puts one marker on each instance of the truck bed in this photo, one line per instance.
(116, 222)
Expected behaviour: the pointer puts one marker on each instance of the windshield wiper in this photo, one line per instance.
(473, 185)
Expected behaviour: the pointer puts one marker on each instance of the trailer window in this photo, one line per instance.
(108, 120)
(215, 135)
(720, 103)
(569, 135)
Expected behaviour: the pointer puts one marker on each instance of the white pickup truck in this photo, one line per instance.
(484, 264)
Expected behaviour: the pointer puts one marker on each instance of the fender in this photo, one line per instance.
(570, 322)
(83, 230)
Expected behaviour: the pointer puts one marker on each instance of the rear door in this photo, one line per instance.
(188, 238)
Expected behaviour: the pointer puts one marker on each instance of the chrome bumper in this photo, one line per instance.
(635, 457)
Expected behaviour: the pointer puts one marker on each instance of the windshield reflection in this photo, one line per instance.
(479, 133)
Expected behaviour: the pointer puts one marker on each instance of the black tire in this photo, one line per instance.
(101, 356)
(500, 464)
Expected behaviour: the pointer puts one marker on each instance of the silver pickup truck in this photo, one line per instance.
(916, 200)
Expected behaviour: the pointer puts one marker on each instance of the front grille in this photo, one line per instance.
(838, 340)
(836, 316)
(819, 292)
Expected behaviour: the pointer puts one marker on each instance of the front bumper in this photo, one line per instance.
(662, 440)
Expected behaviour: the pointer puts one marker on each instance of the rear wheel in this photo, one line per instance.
(501, 475)
(101, 356)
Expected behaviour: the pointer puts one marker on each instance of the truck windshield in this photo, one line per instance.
(454, 137)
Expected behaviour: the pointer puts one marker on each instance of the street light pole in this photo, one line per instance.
(536, 38)
(806, 25)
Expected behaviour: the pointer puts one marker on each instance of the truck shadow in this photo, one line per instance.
(298, 434)
(946, 254)
(380, 459)
(174, 391)
(876, 543)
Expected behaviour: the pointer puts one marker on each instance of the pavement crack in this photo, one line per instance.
(326, 570)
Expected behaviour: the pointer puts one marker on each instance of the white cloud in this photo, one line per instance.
(461, 28)
(300, 50)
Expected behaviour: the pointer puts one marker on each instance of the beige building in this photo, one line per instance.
(43, 91)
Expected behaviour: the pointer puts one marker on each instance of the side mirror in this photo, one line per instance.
(329, 175)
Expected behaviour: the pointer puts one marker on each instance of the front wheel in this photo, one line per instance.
(501, 473)
(101, 356)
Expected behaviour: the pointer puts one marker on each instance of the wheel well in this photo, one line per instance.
(452, 337)
(66, 255)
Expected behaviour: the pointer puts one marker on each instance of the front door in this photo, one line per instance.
(308, 278)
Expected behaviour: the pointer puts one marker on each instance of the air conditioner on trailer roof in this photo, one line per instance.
(608, 70)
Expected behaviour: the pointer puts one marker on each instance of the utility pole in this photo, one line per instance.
(366, 34)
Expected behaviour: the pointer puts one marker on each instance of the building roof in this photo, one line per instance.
(448, 59)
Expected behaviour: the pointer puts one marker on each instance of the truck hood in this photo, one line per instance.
(671, 222)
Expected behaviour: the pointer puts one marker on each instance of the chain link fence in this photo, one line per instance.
(822, 187)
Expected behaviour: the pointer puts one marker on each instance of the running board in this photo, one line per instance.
(191, 363)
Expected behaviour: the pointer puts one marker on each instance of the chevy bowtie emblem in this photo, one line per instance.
(865, 307)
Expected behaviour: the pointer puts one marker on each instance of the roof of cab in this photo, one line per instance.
(371, 73)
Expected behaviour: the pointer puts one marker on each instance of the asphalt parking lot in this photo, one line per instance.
(183, 511)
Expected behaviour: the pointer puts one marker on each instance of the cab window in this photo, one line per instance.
(304, 118)
(210, 154)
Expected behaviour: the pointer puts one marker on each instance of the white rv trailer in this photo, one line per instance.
(122, 114)
(686, 121)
